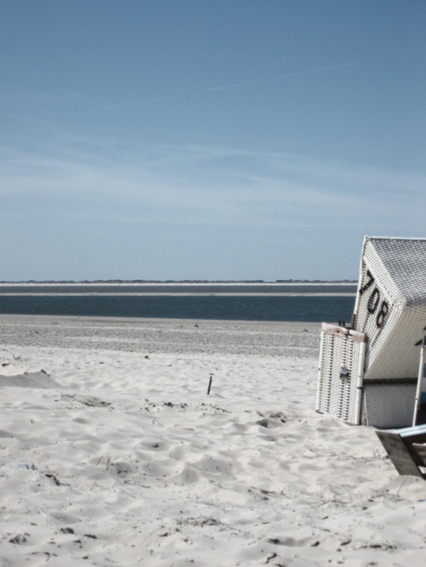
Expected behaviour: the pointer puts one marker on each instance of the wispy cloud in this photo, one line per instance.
(209, 185)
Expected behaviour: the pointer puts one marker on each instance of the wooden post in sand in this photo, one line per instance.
(210, 384)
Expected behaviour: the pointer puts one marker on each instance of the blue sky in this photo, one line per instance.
(208, 139)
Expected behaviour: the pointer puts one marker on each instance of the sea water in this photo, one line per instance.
(312, 308)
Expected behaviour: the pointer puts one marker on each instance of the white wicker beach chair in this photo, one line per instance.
(368, 373)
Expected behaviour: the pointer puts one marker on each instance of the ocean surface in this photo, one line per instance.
(244, 307)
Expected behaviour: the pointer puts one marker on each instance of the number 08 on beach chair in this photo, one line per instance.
(371, 371)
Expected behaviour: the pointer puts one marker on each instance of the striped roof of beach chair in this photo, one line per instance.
(391, 306)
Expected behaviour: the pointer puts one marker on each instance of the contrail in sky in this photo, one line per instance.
(257, 81)
(246, 83)
(224, 87)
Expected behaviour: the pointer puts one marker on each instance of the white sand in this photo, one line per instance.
(115, 455)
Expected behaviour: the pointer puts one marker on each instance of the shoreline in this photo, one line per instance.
(183, 294)
(159, 320)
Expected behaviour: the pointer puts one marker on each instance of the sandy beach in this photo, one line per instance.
(112, 453)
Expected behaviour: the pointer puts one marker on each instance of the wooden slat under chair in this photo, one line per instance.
(406, 449)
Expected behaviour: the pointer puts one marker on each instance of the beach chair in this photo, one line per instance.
(370, 371)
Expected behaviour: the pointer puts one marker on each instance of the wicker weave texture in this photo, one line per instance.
(335, 395)
(391, 305)
(389, 405)
(401, 267)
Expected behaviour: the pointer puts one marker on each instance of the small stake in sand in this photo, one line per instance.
(210, 384)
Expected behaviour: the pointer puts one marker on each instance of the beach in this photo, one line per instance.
(180, 288)
(113, 453)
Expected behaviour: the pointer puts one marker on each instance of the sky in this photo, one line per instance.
(208, 139)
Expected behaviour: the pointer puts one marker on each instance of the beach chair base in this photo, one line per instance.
(389, 403)
(345, 392)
